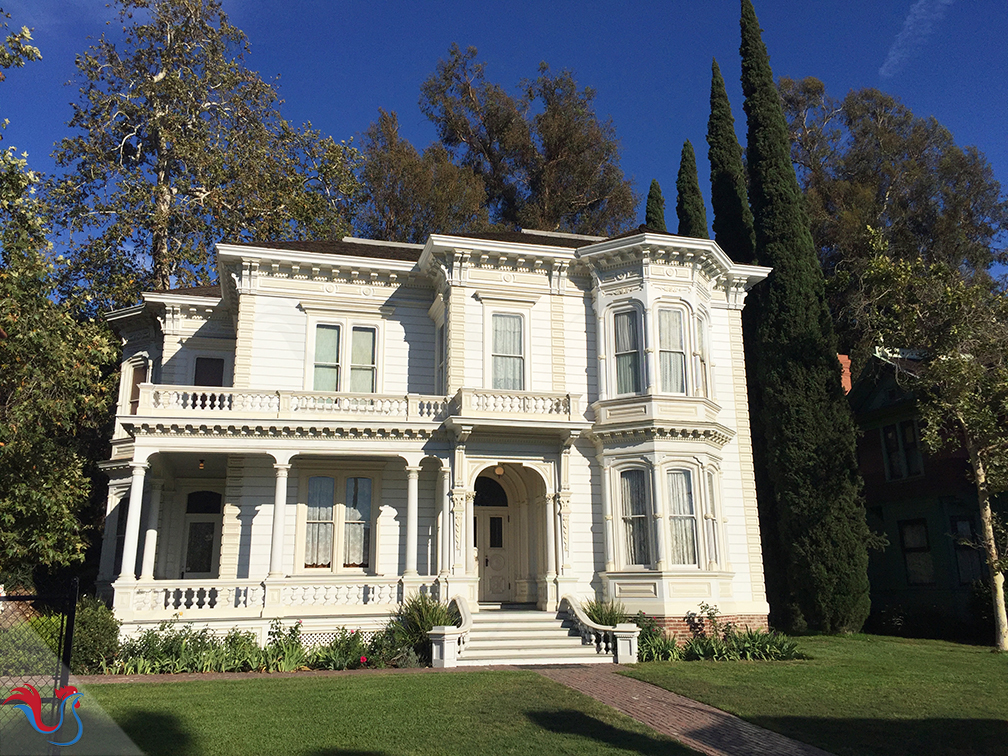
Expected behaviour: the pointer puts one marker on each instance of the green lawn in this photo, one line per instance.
(454, 713)
(861, 695)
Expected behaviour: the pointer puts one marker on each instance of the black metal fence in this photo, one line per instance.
(36, 642)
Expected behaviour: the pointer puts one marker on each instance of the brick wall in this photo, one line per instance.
(677, 625)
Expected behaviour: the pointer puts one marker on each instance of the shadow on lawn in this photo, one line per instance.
(155, 732)
(582, 725)
(895, 737)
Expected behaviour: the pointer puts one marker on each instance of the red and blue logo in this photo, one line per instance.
(28, 700)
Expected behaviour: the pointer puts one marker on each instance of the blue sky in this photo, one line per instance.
(649, 62)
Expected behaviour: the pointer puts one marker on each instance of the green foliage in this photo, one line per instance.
(15, 50)
(407, 196)
(689, 201)
(414, 620)
(348, 650)
(653, 643)
(606, 613)
(809, 485)
(868, 166)
(654, 214)
(176, 146)
(715, 640)
(95, 639)
(545, 158)
(733, 221)
(284, 651)
(55, 390)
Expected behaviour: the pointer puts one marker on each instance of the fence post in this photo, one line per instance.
(71, 615)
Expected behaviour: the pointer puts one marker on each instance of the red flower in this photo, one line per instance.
(363, 660)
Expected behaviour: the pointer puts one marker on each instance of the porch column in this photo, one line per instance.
(279, 505)
(551, 564)
(150, 537)
(470, 531)
(445, 562)
(558, 534)
(127, 573)
(412, 477)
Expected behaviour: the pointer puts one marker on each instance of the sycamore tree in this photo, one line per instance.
(54, 391)
(959, 325)
(407, 195)
(545, 158)
(175, 145)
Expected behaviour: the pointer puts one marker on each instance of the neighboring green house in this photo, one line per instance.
(926, 505)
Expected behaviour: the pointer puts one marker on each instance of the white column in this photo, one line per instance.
(607, 514)
(445, 560)
(412, 478)
(470, 538)
(127, 573)
(551, 552)
(150, 537)
(558, 534)
(279, 507)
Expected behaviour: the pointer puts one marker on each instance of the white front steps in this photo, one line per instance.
(524, 636)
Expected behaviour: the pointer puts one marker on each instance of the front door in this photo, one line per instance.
(202, 547)
(492, 536)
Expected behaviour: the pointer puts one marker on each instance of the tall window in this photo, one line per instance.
(902, 449)
(327, 347)
(635, 517)
(710, 522)
(628, 378)
(209, 371)
(508, 359)
(682, 518)
(439, 360)
(357, 523)
(967, 555)
(702, 359)
(362, 360)
(671, 351)
(139, 376)
(917, 552)
(319, 532)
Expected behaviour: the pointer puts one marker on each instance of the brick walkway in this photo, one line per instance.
(696, 725)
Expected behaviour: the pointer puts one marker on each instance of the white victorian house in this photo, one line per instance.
(504, 418)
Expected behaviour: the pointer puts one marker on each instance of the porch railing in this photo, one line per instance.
(201, 597)
(618, 641)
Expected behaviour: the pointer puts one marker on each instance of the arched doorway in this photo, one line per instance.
(493, 540)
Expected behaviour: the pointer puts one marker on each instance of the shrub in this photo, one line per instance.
(348, 650)
(606, 613)
(653, 643)
(284, 651)
(96, 637)
(411, 624)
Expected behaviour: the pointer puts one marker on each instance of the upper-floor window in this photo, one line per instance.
(209, 371)
(635, 503)
(362, 360)
(702, 358)
(508, 356)
(902, 450)
(327, 351)
(331, 355)
(627, 335)
(439, 360)
(672, 351)
(138, 376)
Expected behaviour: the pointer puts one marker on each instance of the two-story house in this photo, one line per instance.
(509, 418)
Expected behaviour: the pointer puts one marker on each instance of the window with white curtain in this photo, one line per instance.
(362, 360)
(325, 517)
(320, 525)
(327, 351)
(508, 356)
(634, 485)
(682, 518)
(357, 523)
(710, 522)
(628, 373)
(702, 359)
(672, 351)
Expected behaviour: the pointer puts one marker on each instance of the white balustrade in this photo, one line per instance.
(220, 596)
(618, 641)
(343, 593)
(549, 405)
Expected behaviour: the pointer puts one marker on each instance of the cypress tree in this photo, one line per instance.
(733, 221)
(689, 203)
(806, 424)
(654, 214)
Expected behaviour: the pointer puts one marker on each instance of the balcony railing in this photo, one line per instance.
(530, 405)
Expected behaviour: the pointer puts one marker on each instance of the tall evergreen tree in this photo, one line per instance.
(689, 202)
(733, 221)
(654, 214)
(807, 428)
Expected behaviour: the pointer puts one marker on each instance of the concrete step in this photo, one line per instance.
(518, 635)
(525, 642)
(504, 635)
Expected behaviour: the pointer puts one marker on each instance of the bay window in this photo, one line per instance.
(682, 518)
(628, 372)
(672, 351)
(634, 489)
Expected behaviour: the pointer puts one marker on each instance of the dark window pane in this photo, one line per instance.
(496, 532)
(203, 502)
(209, 371)
(489, 493)
(199, 551)
(139, 376)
